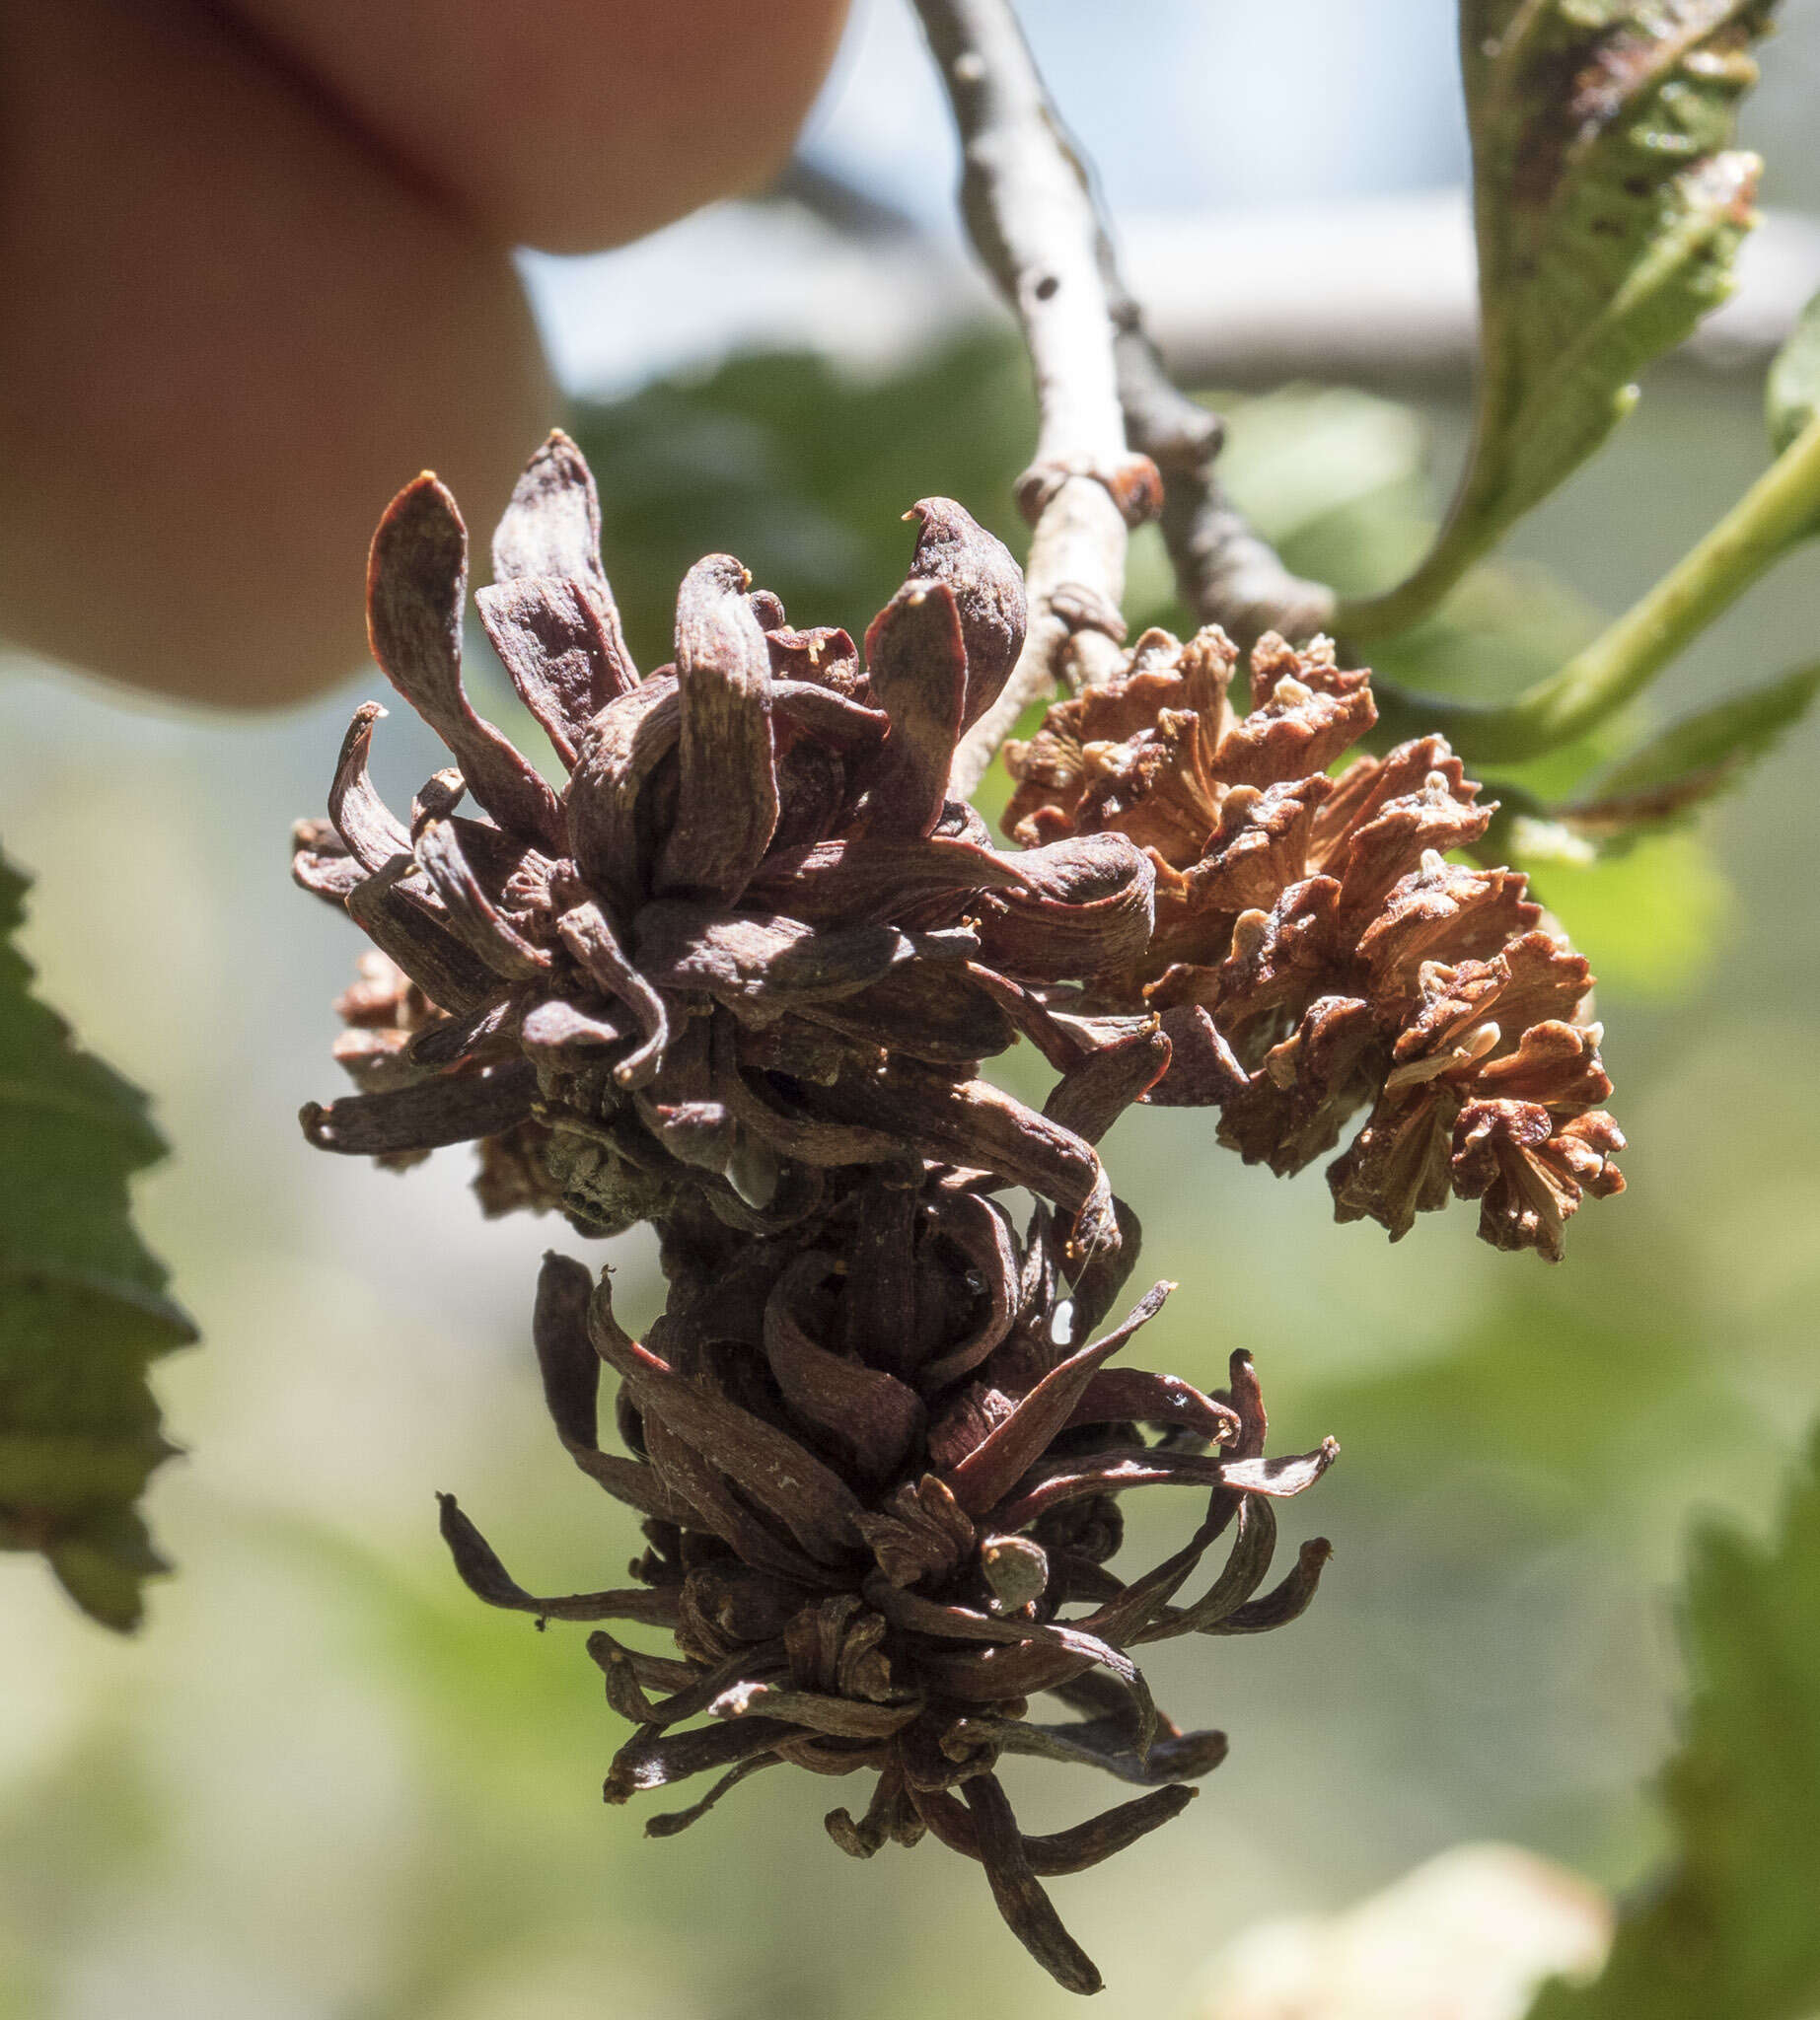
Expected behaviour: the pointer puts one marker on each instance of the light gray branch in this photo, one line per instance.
(1107, 413)
(1032, 220)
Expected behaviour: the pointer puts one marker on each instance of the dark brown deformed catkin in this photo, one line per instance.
(874, 1463)
(743, 954)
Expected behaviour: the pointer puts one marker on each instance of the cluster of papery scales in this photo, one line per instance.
(738, 977)
(1315, 953)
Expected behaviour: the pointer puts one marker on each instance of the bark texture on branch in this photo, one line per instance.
(1109, 414)
(1033, 223)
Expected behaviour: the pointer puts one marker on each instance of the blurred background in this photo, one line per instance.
(324, 1783)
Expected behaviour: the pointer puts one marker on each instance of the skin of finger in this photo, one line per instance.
(228, 334)
(571, 124)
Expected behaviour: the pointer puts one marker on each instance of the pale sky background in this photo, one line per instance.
(1231, 140)
(1188, 107)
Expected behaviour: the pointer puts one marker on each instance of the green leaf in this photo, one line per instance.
(1607, 209)
(1732, 1928)
(1650, 917)
(1692, 761)
(1791, 395)
(82, 1305)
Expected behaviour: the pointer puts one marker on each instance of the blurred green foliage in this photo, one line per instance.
(1734, 1926)
(81, 1307)
(1653, 914)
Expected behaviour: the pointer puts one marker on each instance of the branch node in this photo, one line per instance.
(1082, 607)
(1134, 484)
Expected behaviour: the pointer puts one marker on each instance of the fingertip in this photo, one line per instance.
(578, 123)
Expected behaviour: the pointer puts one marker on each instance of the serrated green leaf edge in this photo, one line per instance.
(1733, 1929)
(1607, 211)
(1791, 393)
(83, 1310)
(1692, 760)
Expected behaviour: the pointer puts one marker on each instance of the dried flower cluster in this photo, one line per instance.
(736, 977)
(752, 945)
(874, 1466)
(1315, 953)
